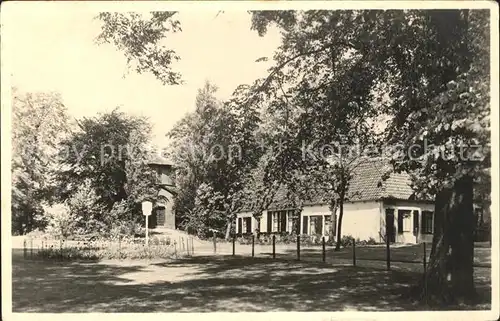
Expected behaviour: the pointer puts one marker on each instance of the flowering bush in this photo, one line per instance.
(124, 248)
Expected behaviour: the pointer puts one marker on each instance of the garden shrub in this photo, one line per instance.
(306, 240)
(61, 222)
(347, 240)
(370, 241)
(126, 248)
(288, 238)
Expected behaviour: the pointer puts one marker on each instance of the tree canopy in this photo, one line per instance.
(141, 39)
(427, 72)
(39, 121)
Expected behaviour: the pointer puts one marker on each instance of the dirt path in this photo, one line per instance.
(204, 284)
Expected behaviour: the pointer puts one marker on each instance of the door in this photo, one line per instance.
(152, 220)
(160, 216)
(389, 225)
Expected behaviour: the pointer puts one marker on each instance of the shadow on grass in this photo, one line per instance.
(204, 284)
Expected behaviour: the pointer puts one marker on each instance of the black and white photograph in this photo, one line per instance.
(250, 156)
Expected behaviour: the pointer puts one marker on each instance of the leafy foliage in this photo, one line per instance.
(139, 38)
(425, 71)
(61, 222)
(89, 215)
(215, 150)
(39, 121)
(109, 155)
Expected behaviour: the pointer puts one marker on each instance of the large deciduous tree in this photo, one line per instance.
(140, 38)
(330, 92)
(39, 121)
(432, 68)
(447, 117)
(109, 154)
(214, 150)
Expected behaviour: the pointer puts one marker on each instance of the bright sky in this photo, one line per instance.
(56, 51)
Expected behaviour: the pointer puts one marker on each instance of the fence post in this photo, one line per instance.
(215, 243)
(425, 260)
(324, 249)
(192, 245)
(354, 252)
(60, 248)
(274, 246)
(298, 247)
(25, 250)
(425, 274)
(253, 245)
(175, 249)
(187, 245)
(388, 251)
(234, 245)
(31, 248)
(120, 246)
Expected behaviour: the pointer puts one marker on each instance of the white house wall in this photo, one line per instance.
(246, 214)
(361, 220)
(315, 210)
(263, 221)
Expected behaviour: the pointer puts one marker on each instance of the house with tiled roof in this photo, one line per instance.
(375, 208)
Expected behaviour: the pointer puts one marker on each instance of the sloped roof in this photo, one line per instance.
(366, 184)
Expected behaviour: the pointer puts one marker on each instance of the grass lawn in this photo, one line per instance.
(216, 283)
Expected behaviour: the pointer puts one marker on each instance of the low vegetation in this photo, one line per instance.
(100, 249)
(309, 240)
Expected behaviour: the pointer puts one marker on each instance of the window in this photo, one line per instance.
(400, 222)
(290, 221)
(404, 221)
(240, 225)
(427, 217)
(328, 224)
(316, 223)
(282, 221)
(415, 222)
(277, 221)
(304, 224)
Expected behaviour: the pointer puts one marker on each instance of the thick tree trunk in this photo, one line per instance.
(256, 231)
(449, 278)
(339, 225)
(333, 219)
(228, 228)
